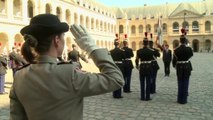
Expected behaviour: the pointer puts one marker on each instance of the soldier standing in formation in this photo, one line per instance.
(128, 65)
(118, 56)
(155, 66)
(183, 66)
(144, 56)
(74, 56)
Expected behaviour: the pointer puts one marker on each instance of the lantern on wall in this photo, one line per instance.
(14, 43)
(19, 44)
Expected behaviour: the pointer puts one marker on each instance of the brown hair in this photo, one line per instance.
(34, 46)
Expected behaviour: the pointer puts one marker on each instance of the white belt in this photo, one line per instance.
(181, 62)
(146, 61)
(118, 62)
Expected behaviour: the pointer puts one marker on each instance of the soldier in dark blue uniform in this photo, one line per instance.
(155, 67)
(118, 56)
(183, 66)
(145, 56)
(128, 66)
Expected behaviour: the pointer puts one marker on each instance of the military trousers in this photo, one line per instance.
(153, 81)
(127, 79)
(167, 68)
(183, 85)
(117, 93)
(145, 83)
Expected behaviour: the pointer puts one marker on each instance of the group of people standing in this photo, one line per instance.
(14, 61)
(148, 67)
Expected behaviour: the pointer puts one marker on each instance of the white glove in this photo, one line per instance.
(83, 39)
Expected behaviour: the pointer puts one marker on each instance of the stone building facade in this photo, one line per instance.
(15, 14)
(104, 22)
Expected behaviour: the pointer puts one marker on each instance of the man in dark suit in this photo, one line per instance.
(183, 66)
(155, 67)
(167, 58)
(145, 56)
(128, 66)
(118, 56)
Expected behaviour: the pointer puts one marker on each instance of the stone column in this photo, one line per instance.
(9, 9)
(24, 10)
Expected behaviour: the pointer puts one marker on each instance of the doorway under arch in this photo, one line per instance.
(195, 45)
(207, 45)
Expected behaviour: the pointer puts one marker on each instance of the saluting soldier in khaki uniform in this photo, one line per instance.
(45, 90)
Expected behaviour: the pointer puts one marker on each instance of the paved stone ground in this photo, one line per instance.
(163, 105)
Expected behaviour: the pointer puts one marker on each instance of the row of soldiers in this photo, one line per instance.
(145, 62)
(147, 65)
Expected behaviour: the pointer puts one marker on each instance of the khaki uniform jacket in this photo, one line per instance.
(49, 91)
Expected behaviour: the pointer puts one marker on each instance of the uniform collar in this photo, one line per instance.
(46, 59)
